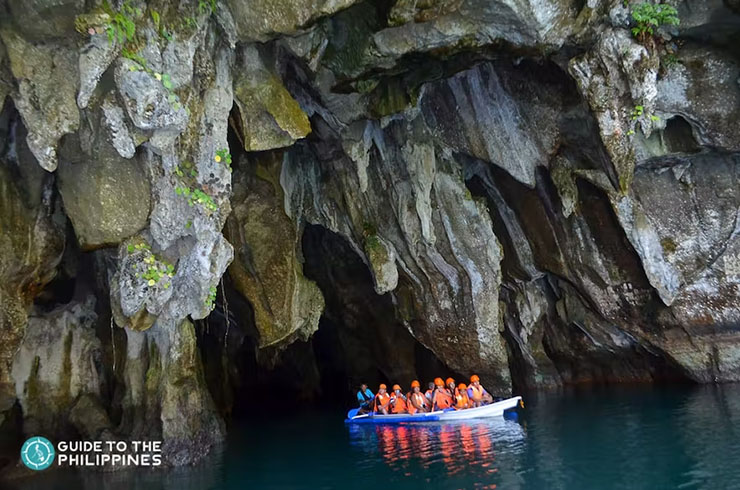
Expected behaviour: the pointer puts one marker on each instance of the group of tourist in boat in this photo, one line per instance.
(440, 395)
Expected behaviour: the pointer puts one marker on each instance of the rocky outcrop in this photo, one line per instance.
(56, 372)
(32, 241)
(269, 272)
(403, 206)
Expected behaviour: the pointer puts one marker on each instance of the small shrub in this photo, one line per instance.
(157, 271)
(211, 300)
(197, 196)
(122, 26)
(223, 155)
(206, 6)
(649, 17)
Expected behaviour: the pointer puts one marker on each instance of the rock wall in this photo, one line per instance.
(535, 194)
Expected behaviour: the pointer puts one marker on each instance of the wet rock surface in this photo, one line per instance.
(521, 189)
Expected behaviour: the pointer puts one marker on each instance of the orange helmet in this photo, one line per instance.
(439, 382)
(382, 386)
(450, 380)
(474, 378)
(415, 384)
(396, 387)
(462, 386)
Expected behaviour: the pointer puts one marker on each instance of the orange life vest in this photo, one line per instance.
(420, 400)
(381, 401)
(443, 399)
(462, 400)
(399, 404)
(477, 392)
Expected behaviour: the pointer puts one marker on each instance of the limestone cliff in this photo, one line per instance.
(524, 189)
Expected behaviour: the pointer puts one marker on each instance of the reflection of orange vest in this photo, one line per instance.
(420, 399)
(443, 399)
(399, 404)
(381, 400)
(462, 400)
(477, 392)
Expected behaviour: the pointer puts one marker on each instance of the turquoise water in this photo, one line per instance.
(624, 437)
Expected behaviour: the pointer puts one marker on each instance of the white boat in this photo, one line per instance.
(495, 409)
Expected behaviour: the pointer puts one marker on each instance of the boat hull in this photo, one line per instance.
(496, 409)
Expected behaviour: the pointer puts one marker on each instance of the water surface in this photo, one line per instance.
(623, 437)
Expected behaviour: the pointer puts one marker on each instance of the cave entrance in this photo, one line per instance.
(359, 340)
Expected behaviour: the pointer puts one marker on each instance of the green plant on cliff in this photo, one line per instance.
(206, 6)
(211, 299)
(122, 26)
(186, 168)
(156, 271)
(649, 16)
(223, 155)
(197, 196)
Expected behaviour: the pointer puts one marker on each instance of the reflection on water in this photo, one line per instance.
(462, 452)
(615, 438)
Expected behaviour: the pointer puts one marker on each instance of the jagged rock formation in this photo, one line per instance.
(521, 188)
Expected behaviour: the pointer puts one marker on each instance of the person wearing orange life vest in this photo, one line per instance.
(416, 401)
(461, 397)
(430, 391)
(382, 401)
(442, 398)
(398, 401)
(477, 394)
(450, 385)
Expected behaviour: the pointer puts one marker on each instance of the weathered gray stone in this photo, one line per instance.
(47, 86)
(616, 77)
(43, 20)
(95, 58)
(269, 116)
(414, 204)
(478, 113)
(32, 244)
(146, 100)
(267, 267)
(702, 89)
(260, 20)
(106, 197)
(55, 364)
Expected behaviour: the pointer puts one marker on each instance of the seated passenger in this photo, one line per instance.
(365, 398)
(477, 394)
(382, 401)
(416, 400)
(398, 400)
(461, 397)
(442, 397)
(430, 391)
(450, 384)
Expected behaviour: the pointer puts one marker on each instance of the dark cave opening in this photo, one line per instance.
(359, 340)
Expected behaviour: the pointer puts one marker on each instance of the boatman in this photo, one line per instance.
(416, 400)
(365, 398)
(441, 398)
(477, 394)
(382, 401)
(398, 400)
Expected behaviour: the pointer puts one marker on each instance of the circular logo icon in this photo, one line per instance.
(37, 453)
